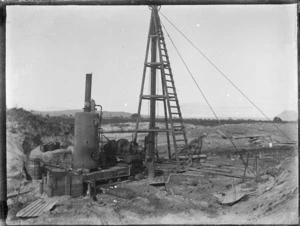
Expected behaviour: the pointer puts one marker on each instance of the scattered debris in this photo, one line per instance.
(250, 137)
(219, 172)
(157, 184)
(139, 176)
(124, 193)
(222, 134)
(204, 189)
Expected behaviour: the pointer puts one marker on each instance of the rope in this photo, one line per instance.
(230, 138)
(219, 70)
(190, 73)
(149, 92)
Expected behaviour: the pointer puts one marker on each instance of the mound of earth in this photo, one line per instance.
(33, 130)
(288, 116)
(15, 157)
(274, 201)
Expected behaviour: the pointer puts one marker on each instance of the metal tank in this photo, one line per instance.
(86, 142)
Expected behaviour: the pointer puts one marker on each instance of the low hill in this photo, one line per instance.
(33, 129)
(106, 114)
(288, 116)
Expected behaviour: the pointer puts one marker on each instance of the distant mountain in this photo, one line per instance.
(106, 114)
(288, 116)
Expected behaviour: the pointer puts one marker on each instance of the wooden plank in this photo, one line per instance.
(183, 156)
(223, 174)
(176, 177)
(224, 136)
(249, 136)
(149, 2)
(38, 207)
(210, 169)
(48, 206)
(209, 165)
(226, 165)
(14, 194)
(43, 207)
(138, 131)
(29, 208)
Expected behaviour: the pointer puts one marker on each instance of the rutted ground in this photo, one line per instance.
(272, 200)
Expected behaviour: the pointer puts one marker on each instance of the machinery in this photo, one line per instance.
(121, 158)
(92, 162)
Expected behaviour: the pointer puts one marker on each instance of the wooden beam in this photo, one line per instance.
(138, 131)
(150, 150)
(203, 171)
(147, 2)
(3, 179)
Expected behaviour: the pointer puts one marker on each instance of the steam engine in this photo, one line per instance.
(87, 153)
(92, 162)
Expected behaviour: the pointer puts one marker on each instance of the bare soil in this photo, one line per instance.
(272, 200)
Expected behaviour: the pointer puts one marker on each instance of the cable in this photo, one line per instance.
(149, 93)
(230, 138)
(190, 73)
(157, 102)
(227, 79)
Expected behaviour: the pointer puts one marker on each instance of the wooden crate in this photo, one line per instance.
(58, 183)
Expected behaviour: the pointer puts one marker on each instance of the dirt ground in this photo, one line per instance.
(201, 199)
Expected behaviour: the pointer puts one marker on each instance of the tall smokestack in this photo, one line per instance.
(88, 91)
(86, 139)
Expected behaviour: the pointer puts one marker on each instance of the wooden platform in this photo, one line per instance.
(38, 207)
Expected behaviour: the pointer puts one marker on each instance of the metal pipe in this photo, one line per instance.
(88, 93)
(3, 181)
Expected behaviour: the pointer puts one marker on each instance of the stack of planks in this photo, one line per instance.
(223, 169)
(38, 207)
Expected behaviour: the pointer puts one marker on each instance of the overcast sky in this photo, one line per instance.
(50, 49)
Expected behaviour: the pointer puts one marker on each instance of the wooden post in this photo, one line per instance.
(41, 190)
(3, 180)
(67, 185)
(234, 189)
(257, 171)
(156, 148)
(151, 151)
(246, 166)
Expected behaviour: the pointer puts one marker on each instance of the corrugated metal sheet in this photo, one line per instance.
(38, 207)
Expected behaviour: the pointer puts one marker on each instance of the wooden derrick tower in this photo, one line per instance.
(160, 68)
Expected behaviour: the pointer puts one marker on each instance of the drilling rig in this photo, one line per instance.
(92, 160)
(160, 69)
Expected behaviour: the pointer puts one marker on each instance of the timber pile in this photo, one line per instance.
(223, 168)
(221, 172)
(38, 207)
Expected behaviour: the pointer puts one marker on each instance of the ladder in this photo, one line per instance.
(172, 113)
(175, 116)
